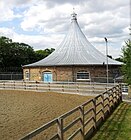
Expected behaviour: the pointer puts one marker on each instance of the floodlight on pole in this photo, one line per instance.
(107, 77)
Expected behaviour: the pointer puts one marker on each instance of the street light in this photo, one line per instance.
(107, 81)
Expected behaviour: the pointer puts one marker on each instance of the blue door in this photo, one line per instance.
(47, 77)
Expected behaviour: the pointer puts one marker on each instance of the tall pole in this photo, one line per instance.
(130, 40)
(130, 21)
(107, 76)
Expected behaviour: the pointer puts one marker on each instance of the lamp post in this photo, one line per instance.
(130, 39)
(130, 29)
(130, 21)
(107, 77)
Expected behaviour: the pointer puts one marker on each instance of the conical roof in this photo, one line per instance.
(75, 49)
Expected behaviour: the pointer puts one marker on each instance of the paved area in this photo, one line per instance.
(126, 98)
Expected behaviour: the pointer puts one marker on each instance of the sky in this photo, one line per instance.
(44, 23)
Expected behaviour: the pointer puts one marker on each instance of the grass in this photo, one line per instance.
(117, 126)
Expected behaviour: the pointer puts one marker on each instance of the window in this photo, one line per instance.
(83, 75)
(27, 75)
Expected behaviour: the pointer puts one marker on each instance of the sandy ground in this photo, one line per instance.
(24, 111)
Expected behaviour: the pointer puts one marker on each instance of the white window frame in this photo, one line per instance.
(27, 75)
(83, 77)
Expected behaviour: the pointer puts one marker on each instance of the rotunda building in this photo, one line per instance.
(74, 60)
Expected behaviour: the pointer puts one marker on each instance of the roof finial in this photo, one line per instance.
(73, 10)
(74, 15)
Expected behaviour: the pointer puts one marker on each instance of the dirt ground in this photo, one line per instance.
(23, 111)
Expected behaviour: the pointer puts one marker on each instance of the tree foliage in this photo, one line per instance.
(119, 59)
(40, 54)
(126, 57)
(14, 54)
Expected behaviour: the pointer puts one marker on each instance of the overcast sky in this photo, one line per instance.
(44, 23)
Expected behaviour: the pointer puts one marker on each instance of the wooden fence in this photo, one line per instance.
(86, 118)
(76, 87)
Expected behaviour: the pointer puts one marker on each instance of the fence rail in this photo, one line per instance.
(88, 117)
(79, 88)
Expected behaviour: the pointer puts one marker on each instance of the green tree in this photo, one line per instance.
(119, 59)
(15, 54)
(126, 57)
(40, 54)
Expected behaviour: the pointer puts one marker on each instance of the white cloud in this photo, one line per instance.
(9, 32)
(51, 19)
(14, 3)
(39, 41)
(36, 41)
(5, 12)
(38, 16)
(6, 8)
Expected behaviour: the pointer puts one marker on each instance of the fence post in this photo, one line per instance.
(60, 128)
(36, 85)
(108, 98)
(77, 86)
(94, 110)
(93, 87)
(49, 86)
(63, 87)
(112, 100)
(82, 121)
(120, 92)
(102, 96)
(25, 85)
(14, 84)
(3, 84)
(113, 90)
(117, 95)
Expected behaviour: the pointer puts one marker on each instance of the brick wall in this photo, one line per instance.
(68, 73)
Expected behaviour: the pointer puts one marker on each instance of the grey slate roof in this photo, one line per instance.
(75, 49)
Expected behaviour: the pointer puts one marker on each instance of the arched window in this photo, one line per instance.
(83, 75)
(27, 75)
